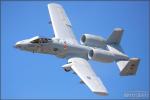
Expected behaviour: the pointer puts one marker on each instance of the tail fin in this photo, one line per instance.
(116, 36)
(128, 67)
(114, 42)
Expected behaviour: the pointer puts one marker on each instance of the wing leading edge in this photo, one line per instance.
(61, 24)
(82, 68)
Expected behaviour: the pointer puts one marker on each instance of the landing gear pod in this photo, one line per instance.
(67, 67)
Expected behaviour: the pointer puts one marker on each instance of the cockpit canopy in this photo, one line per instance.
(40, 40)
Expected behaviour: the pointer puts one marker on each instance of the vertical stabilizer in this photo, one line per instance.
(116, 36)
(128, 67)
(113, 44)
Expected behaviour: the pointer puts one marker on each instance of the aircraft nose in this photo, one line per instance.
(17, 45)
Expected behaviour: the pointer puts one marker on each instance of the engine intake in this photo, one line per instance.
(101, 55)
(93, 40)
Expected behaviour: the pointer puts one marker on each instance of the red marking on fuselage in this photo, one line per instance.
(65, 45)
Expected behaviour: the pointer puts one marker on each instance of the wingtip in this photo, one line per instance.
(119, 29)
(54, 4)
(101, 93)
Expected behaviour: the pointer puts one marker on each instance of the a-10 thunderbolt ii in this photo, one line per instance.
(91, 47)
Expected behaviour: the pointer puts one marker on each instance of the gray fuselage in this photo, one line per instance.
(56, 47)
(65, 49)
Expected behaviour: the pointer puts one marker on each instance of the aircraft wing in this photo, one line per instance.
(61, 24)
(82, 68)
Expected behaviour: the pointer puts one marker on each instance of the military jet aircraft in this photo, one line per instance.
(91, 47)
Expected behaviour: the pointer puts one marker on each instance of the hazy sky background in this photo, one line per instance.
(26, 75)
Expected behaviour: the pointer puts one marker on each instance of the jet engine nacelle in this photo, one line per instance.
(93, 41)
(101, 55)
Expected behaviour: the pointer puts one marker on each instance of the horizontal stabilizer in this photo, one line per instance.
(128, 67)
(116, 36)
